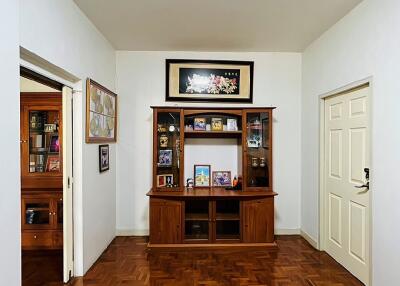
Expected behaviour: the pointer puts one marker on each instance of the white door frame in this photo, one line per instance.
(72, 258)
(322, 212)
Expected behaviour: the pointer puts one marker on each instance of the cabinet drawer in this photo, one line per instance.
(37, 239)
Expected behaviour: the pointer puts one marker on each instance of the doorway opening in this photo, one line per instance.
(345, 201)
(46, 174)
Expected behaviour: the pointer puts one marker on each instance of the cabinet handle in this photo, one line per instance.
(35, 237)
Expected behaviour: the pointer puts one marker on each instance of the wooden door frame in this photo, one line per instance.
(367, 82)
(39, 70)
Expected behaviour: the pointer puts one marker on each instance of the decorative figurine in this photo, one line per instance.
(254, 162)
(262, 162)
(163, 140)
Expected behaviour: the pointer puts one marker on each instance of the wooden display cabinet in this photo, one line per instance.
(41, 170)
(214, 216)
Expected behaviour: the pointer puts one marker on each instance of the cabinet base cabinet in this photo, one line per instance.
(208, 222)
(165, 221)
(258, 220)
(42, 240)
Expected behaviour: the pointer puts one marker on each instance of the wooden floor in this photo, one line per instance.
(296, 263)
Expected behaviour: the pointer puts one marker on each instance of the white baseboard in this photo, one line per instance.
(132, 232)
(309, 239)
(287, 231)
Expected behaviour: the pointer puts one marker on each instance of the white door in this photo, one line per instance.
(67, 185)
(347, 154)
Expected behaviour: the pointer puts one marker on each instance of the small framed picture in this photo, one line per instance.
(231, 124)
(104, 158)
(54, 146)
(222, 178)
(169, 180)
(53, 163)
(202, 175)
(161, 181)
(217, 124)
(165, 158)
(199, 124)
(50, 128)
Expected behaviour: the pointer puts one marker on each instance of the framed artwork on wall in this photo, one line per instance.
(101, 113)
(104, 158)
(209, 80)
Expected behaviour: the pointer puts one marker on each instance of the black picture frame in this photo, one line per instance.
(104, 158)
(173, 88)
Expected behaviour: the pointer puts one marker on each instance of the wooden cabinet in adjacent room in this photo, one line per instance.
(42, 223)
(41, 170)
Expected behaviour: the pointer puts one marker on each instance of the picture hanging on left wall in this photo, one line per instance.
(104, 158)
(101, 113)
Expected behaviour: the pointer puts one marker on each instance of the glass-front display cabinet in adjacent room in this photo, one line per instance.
(257, 155)
(41, 142)
(168, 157)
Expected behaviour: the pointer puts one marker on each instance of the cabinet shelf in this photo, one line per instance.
(196, 217)
(213, 134)
(228, 216)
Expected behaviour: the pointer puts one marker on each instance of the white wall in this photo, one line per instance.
(221, 154)
(364, 43)
(59, 32)
(141, 83)
(10, 263)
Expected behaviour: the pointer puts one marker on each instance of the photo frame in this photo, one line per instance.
(53, 163)
(165, 180)
(165, 158)
(222, 178)
(104, 158)
(202, 175)
(217, 124)
(101, 113)
(209, 80)
(54, 145)
(199, 124)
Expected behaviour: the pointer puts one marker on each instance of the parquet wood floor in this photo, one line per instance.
(296, 263)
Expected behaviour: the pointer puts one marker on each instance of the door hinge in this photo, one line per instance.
(69, 181)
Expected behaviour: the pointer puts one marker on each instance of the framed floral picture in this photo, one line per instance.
(101, 113)
(212, 81)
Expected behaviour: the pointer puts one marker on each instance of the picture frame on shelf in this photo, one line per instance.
(49, 128)
(165, 180)
(104, 158)
(54, 144)
(53, 163)
(165, 158)
(222, 178)
(101, 113)
(217, 124)
(202, 175)
(199, 124)
(231, 124)
(209, 80)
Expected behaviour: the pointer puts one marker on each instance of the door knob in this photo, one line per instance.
(366, 185)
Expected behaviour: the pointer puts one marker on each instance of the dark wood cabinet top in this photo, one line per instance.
(209, 192)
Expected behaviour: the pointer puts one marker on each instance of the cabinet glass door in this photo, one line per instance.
(257, 150)
(197, 220)
(168, 151)
(37, 213)
(44, 142)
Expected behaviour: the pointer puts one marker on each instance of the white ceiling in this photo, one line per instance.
(214, 25)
